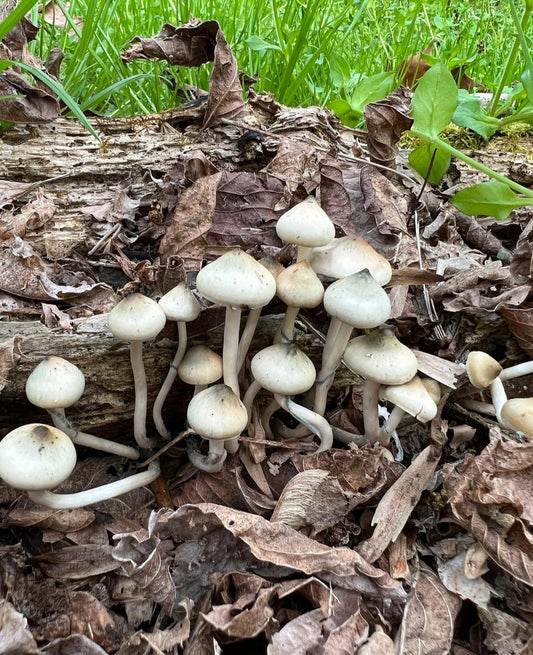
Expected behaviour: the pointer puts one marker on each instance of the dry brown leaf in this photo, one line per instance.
(429, 618)
(31, 104)
(452, 575)
(519, 320)
(506, 634)
(70, 520)
(78, 644)
(300, 636)
(378, 644)
(77, 562)
(8, 359)
(397, 504)
(15, 636)
(491, 495)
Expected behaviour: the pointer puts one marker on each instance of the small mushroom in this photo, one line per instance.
(483, 371)
(137, 318)
(36, 458)
(218, 415)
(305, 225)
(180, 305)
(54, 384)
(518, 413)
(200, 366)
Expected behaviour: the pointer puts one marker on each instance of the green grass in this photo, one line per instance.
(305, 52)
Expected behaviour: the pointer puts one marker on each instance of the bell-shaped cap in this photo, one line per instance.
(345, 256)
(299, 286)
(36, 457)
(358, 300)
(236, 280)
(136, 318)
(482, 369)
(518, 412)
(55, 383)
(179, 304)
(412, 397)
(217, 413)
(200, 366)
(283, 368)
(306, 224)
(381, 357)
(272, 265)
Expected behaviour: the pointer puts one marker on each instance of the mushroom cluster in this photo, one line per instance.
(345, 276)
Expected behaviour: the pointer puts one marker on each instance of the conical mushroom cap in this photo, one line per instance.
(272, 265)
(136, 318)
(358, 300)
(55, 383)
(179, 304)
(236, 280)
(283, 368)
(345, 256)
(217, 413)
(482, 369)
(36, 457)
(306, 224)
(518, 412)
(413, 398)
(200, 365)
(381, 357)
(299, 286)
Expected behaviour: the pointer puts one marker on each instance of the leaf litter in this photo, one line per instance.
(340, 552)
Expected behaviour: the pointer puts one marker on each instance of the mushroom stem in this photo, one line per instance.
(230, 348)
(303, 252)
(250, 395)
(98, 494)
(286, 329)
(269, 410)
(478, 406)
(499, 398)
(336, 343)
(370, 411)
(141, 395)
(212, 462)
(247, 335)
(314, 422)
(169, 381)
(525, 368)
(348, 437)
(90, 440)
(391, 424)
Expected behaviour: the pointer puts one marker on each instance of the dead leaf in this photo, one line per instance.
(28, 104)
(50, 519)
(300, 636)
(429, 618)
(506, 634)
(491, 495)
(8, 359)
(398, 502)
(78, 644)
(519, 320)
(452, 575)
(15, 636)
(77, 562)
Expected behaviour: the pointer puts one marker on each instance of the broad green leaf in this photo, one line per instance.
(344, 111)
(527, 81)
(423, 157)
(339, 70)
(371, 89)
(434, 101)
(489, 199)
(255, 42)
(470, 114)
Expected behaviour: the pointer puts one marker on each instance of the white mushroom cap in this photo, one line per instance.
(345, 256)
(272, 265)
(299, 286)
(358, 300)
(381, 357)
(482, 369)
(306, 224)
(179, 304)
(217, 413)
(413, 398)
(136, 318)
(55, 383)
(518, 412)
(236, 280)
(200, 365)
(433, 388)
(283, 368)
(36, 457)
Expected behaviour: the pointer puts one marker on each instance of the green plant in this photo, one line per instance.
(433, 106)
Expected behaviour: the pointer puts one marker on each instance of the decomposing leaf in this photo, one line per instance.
(78, 644)
(429, 618)
(195, 44)
(299, 636)
(28, 104)
(506, 634)
(491, 496)
(50, 519)
(452, 575)
(398, 502)
(8, 359)
(15, 636)
(519, 320)
(77, 562)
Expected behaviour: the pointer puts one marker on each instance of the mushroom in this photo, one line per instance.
(200, 366)
(483, 371)
(235, 280)
(345, 256)
(412, 398)
(54, 384)
(354, 301)
(525, 368)
(284, 370)
(36, 458)
(297, 286)
(180, 305)
(305, 225)
(518, 413)
(380, 358)
(216, 414)
(137, 319)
